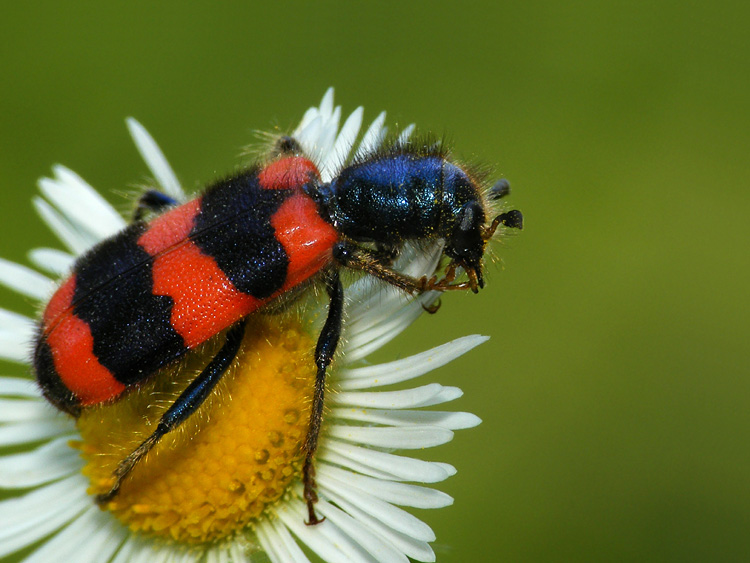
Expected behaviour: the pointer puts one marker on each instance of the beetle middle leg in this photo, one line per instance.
(185, 405)
(324, 351)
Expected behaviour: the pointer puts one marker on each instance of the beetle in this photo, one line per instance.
(143, 298)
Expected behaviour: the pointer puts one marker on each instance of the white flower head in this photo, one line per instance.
(362, 483)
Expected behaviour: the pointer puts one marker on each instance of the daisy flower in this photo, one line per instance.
(226, 485)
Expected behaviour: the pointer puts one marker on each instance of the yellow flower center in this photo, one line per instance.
(230, 460)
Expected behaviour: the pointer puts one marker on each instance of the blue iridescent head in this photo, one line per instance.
(406, 193)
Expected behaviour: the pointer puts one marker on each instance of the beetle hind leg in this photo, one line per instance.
(185, 405)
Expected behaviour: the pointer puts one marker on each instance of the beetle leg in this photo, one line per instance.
(185, 405)
(434, 307)
(324, 350)
(358, 258)
(154, 201)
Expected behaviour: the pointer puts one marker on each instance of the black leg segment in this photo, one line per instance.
(185, 405)
(154, 201)
(324, 351)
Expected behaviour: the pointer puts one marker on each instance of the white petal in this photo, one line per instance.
(224, 553)
(26, 519)
(216, 555)
(15, 322)
(308, 137)
(91, 200)
(25, 280)
(183, 554)
(384, 465)
(348, 133)
(18, 410)
(52, 260)
(340, 536)
(144, 551)
(418, 262)
(333, 456)
(102, 538)
(426, 395)
(447, 395)
(309, 116)
(18, 387)
(390, 515)
(447, 467)
(389, 491)
(326, 138)
(16, 335)
(81, 204)
(239, 554)
(42, 465)
(26, 432)
(445, 419)
(372, 302)
(414, 548)
(359, 297)
(212, 555)
(342, 146)
(405, 134)
(326, 104)
(402, 399)
(375, 545)
(408, 368)
(155, 160)
(15, 347)
(317, 539)
(373, 137)
(337, 536)
(399, 438)
(278, 543)
(128, 550)
(76, 240)
(362, 342)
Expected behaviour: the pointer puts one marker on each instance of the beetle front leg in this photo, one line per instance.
(359, 258)
(324, 351)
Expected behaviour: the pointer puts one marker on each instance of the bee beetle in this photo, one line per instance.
(143, 298)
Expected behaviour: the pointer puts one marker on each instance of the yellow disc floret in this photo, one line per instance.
(234, 457)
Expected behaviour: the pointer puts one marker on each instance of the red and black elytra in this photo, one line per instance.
(143, 298)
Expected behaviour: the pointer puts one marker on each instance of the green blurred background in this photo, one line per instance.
(615, 389)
